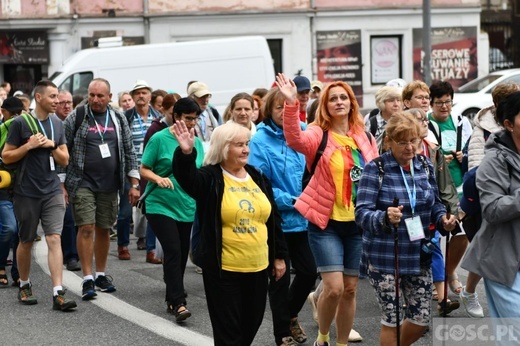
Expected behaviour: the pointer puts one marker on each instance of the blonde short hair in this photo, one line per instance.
(221, 137)
(387, 93)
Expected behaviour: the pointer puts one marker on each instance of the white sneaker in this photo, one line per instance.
(313, 302)
(471, 304)
(354, 336)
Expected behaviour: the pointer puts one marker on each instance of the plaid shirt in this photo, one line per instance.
(138, 127)
(77, 145)
(372, 203)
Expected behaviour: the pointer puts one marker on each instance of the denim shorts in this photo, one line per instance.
(416, 290)
(337, 248)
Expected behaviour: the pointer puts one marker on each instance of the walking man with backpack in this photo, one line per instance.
(37, 144)
(102, 157)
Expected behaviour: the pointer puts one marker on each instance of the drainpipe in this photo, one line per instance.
(146, 22)
(314, 60)
(427, 42)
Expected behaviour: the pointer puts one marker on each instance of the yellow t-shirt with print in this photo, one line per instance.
(341, 162)
(245, 210)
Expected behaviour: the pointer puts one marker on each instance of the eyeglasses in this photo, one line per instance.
(448, 103)
(424, 121)
(63, 103)
(404, 144)
(421, 97)
(190, 119)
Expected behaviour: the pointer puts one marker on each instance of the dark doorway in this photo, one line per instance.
(22, 77)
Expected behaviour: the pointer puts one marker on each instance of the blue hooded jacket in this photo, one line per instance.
(284, 167)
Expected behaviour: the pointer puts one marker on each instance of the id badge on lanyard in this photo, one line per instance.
(413, 224)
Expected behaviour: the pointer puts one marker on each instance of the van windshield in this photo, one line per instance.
(77, 83)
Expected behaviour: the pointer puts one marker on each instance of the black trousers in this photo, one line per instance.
(286, 299)
(175, 241)
(236, 304)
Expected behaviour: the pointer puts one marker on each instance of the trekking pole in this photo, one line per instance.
(396, 264)
(446, 280)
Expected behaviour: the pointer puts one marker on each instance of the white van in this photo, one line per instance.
(228, 66)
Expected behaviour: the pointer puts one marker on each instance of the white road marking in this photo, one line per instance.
(115, 306)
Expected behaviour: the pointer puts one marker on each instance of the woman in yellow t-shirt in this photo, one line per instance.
(240, 231)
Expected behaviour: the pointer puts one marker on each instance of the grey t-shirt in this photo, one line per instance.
(101, 174)
(37, 180)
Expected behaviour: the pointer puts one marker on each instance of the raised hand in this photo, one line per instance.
(287, 88)
(185, 137)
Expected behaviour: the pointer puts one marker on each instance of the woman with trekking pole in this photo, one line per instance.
(397, 200)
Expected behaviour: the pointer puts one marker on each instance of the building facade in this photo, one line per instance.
(365, 43)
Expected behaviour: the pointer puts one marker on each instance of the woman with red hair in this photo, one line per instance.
(328, 201)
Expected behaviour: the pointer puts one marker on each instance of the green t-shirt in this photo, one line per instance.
(449, 145)
(157, 156)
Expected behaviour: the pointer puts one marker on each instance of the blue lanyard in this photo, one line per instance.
(143, 131)
(412, 195)
(101, 135)
(202, 125)
(43, 129)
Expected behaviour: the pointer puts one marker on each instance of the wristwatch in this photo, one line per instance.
(136, 186)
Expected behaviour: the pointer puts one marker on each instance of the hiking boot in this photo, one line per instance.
(313, 302)
(297, 331)
(123, 253)
(354, 336)
(471, 304)
(105, 283)
(25, 295)
(60, 302)
(288, 341)
(89, 290)
(445, 307)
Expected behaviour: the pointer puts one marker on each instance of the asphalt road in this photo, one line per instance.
(136, 313)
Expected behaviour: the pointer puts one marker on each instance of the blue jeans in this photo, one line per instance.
(8, 236)
(503, 302)
(150, 239)
(68, 236)
(504, 308)
(124, 217)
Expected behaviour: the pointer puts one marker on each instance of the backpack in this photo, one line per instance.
(381, 169)
(373, 121)
(8, 174)
(470, 202)
(307, 175)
